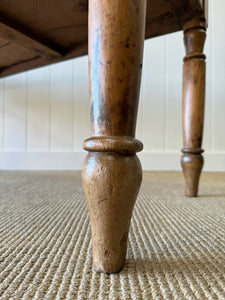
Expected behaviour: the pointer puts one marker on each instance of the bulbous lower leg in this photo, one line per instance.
(111, 183)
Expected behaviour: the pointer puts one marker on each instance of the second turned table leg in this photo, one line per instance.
(193, 104)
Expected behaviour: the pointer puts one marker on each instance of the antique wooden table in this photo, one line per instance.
(35, 33)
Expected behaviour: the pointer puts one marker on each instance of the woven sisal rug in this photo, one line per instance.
(176, 245)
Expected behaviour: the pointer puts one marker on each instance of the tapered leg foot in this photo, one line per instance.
(193, 104)
(111, 183)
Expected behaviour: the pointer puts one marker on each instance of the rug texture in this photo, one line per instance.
(176, 247)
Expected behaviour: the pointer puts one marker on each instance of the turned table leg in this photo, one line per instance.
(193, 104)
(112, 172)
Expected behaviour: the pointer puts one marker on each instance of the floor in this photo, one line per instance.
(176, 246)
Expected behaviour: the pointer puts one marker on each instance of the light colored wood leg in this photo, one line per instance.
(193, 104)
(112, 172)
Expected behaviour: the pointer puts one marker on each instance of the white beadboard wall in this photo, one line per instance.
(44, 113)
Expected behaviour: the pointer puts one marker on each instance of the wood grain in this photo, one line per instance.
(12, 32)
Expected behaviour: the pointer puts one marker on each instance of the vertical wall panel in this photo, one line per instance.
(82, 124)
(61, 95)
(218, 44)
(16, 113)
(38, 109)
(2, 98)
(153, 93)
(173, 126)
(139, 127)
(207, 137)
